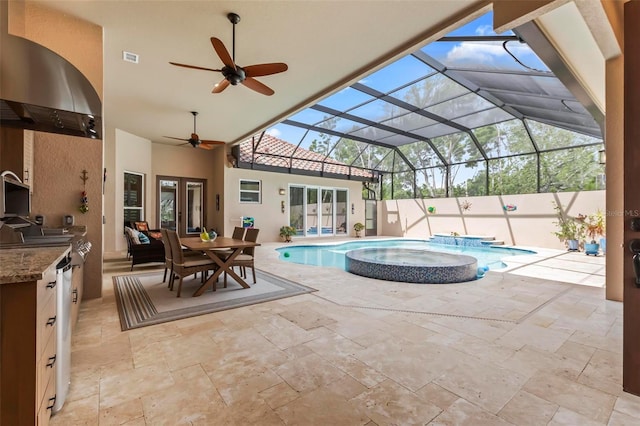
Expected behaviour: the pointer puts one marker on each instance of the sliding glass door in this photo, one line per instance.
(312, 212)
(182, 204)
(326, 217)
(315, 211)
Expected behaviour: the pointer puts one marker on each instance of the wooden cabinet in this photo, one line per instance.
(28, 350)
(16, 153)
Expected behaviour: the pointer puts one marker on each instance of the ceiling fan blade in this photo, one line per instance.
(222, 52)
(204, 146)
(193, 67)
(178, 139)
(254, 84)
(220, 86)
(265, 69)
(207, 142)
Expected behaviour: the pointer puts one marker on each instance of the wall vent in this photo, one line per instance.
(130, 57)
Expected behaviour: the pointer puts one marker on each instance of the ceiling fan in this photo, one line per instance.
(233, 73)
(195, 140)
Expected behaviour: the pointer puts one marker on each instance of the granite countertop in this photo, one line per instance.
(76, 230)
(28, 264)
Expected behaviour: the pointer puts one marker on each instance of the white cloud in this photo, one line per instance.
(488, 53)
(274, 132)
(484, 30)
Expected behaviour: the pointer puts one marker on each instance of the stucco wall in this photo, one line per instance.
(133, 155)
(268, 215)
(531, 224)
(58, 164)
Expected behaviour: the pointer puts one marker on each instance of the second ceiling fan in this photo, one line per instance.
(195, 140)
(233, 73)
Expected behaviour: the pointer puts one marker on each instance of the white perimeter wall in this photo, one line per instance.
(530, 225)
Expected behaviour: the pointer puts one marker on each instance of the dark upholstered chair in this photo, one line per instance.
(153, 251)
(143, 226)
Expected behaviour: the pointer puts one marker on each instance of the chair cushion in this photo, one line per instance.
(143, 238)
(244, 257)
(197, 262)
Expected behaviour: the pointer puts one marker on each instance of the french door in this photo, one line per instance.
(182, 204)
(317, 211)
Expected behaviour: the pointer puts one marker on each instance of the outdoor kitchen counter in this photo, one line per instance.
(27, 264)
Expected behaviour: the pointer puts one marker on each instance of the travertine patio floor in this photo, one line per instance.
(536, 345)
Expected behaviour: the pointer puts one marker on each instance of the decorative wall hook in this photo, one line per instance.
(84, 176)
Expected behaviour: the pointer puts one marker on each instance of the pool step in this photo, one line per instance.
(492, 243)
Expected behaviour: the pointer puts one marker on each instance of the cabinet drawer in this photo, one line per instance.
(46, 322)
(44, 412)
(47, 286)
(46, 368)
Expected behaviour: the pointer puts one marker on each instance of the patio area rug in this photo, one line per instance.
(143, 299)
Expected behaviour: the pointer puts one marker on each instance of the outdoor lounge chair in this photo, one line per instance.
(143, 252)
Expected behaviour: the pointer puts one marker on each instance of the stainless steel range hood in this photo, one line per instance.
(42, 91)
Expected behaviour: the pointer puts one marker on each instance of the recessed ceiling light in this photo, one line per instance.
(130, 57)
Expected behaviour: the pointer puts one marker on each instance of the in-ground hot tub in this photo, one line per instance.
(411, 266)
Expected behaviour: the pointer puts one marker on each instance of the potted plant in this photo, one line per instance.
(594, 228)
(358, 227)
(286, 232)
(570, 230)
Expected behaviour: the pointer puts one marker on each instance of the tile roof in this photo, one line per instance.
(276, 152)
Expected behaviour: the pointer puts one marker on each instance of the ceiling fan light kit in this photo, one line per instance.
(234, 74)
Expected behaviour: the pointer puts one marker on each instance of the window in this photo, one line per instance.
(250, 191)
(133, 197)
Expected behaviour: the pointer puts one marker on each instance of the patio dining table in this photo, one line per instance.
(209, 247)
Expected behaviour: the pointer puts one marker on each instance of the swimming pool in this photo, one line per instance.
(333, 255)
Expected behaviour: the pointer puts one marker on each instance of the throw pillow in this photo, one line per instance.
(143, 238)
(142, 226)
(133, 234)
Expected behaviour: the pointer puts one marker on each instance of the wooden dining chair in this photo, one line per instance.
(245, 259)
(238, 234)
(168, 260)
(184, 266)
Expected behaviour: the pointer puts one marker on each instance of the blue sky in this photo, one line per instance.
(407, 69)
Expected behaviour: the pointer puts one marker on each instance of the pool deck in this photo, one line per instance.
(559, 265)
(534, 344)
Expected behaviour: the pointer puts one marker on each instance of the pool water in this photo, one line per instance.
(333, 255)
